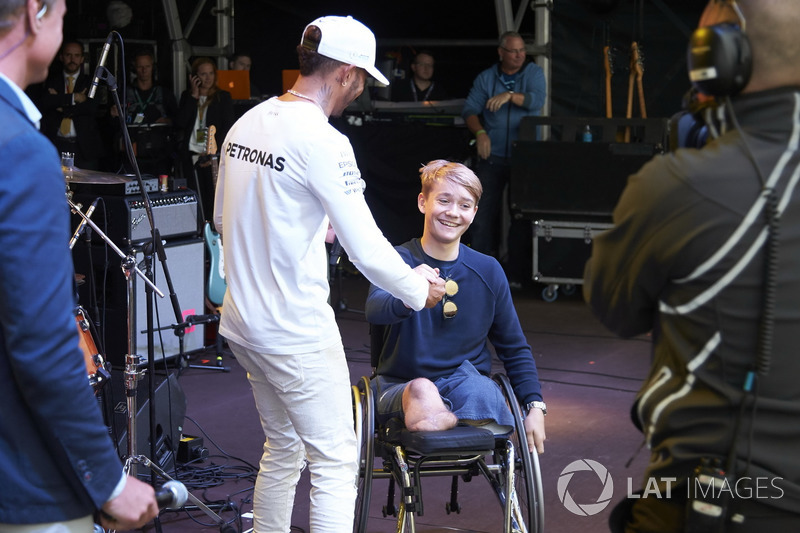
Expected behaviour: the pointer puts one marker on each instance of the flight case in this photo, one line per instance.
(568, 189)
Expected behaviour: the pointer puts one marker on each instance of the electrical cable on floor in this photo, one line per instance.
(589, 385)
(202, 473)
(640, 338)
(594, 374)
(217, 446)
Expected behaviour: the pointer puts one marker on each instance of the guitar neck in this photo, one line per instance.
(609, 73)
(211, 151)
(640, 88)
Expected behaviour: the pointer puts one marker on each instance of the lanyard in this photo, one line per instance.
(414, 91)
(143, 105)
(201, 108)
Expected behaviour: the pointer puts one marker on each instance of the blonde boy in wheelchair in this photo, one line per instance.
(435, 365)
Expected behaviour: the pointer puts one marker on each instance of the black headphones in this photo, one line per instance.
(719, 57)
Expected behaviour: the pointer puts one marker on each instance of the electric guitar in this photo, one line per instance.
(216, 286)
(215, 290)
(608, 64)
(637, 60)
(636, 74)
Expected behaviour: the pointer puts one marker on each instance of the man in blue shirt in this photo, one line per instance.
(499, 98)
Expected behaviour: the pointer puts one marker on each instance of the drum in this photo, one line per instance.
(95, 363)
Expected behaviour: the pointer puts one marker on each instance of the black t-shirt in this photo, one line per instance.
(407, 91)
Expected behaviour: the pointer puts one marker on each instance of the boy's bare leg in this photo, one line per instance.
(424, 409)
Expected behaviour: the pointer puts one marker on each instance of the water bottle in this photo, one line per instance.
(587, 134)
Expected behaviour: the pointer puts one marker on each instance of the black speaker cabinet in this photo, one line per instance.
(186, 265)
(170, 403)
(558, 179)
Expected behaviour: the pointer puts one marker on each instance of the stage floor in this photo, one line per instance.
(589, 380)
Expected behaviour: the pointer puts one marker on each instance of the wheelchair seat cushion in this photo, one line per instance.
(455, 441)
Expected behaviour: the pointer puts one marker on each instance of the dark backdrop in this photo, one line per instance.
(270, 30)
(580, 34)
(391, 154)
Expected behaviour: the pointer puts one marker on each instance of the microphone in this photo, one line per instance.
(82, 225)
(101, 65)
(172, 495)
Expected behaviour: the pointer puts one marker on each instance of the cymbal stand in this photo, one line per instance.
(132, 361)
(76, 208)
(132, 377)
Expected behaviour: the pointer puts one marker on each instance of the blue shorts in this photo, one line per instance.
(470, 395)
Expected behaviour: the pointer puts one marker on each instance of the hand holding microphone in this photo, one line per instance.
(172, 495)
(138, 504)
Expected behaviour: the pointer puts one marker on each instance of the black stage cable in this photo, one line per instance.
(201, 478)
(218, 447)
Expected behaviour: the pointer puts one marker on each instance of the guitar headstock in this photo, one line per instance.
(608, 60)
(211, 140)
(637, 59)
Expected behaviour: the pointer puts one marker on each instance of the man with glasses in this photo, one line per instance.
(435, 364)
(421, 87)
(499, 98)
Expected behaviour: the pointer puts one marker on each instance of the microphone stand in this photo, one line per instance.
(189, 321)
(132, 374)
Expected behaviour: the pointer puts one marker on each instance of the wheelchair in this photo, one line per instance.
(462, 453)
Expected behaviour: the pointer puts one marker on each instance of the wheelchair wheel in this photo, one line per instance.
(529, 505)
(364, 420)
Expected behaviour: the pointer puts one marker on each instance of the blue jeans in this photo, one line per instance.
(306, 410)
(466, 392)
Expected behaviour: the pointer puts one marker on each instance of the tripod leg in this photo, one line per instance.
(224, 526)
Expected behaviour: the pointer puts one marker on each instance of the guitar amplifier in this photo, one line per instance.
(117, 189)
(124, 218)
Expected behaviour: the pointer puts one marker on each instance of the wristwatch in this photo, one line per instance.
(537, 405)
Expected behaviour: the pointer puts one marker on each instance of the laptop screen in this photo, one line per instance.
(236, 82)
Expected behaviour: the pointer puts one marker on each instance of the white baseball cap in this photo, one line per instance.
(347, 40)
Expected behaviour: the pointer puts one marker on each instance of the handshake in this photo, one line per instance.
(436, 288)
